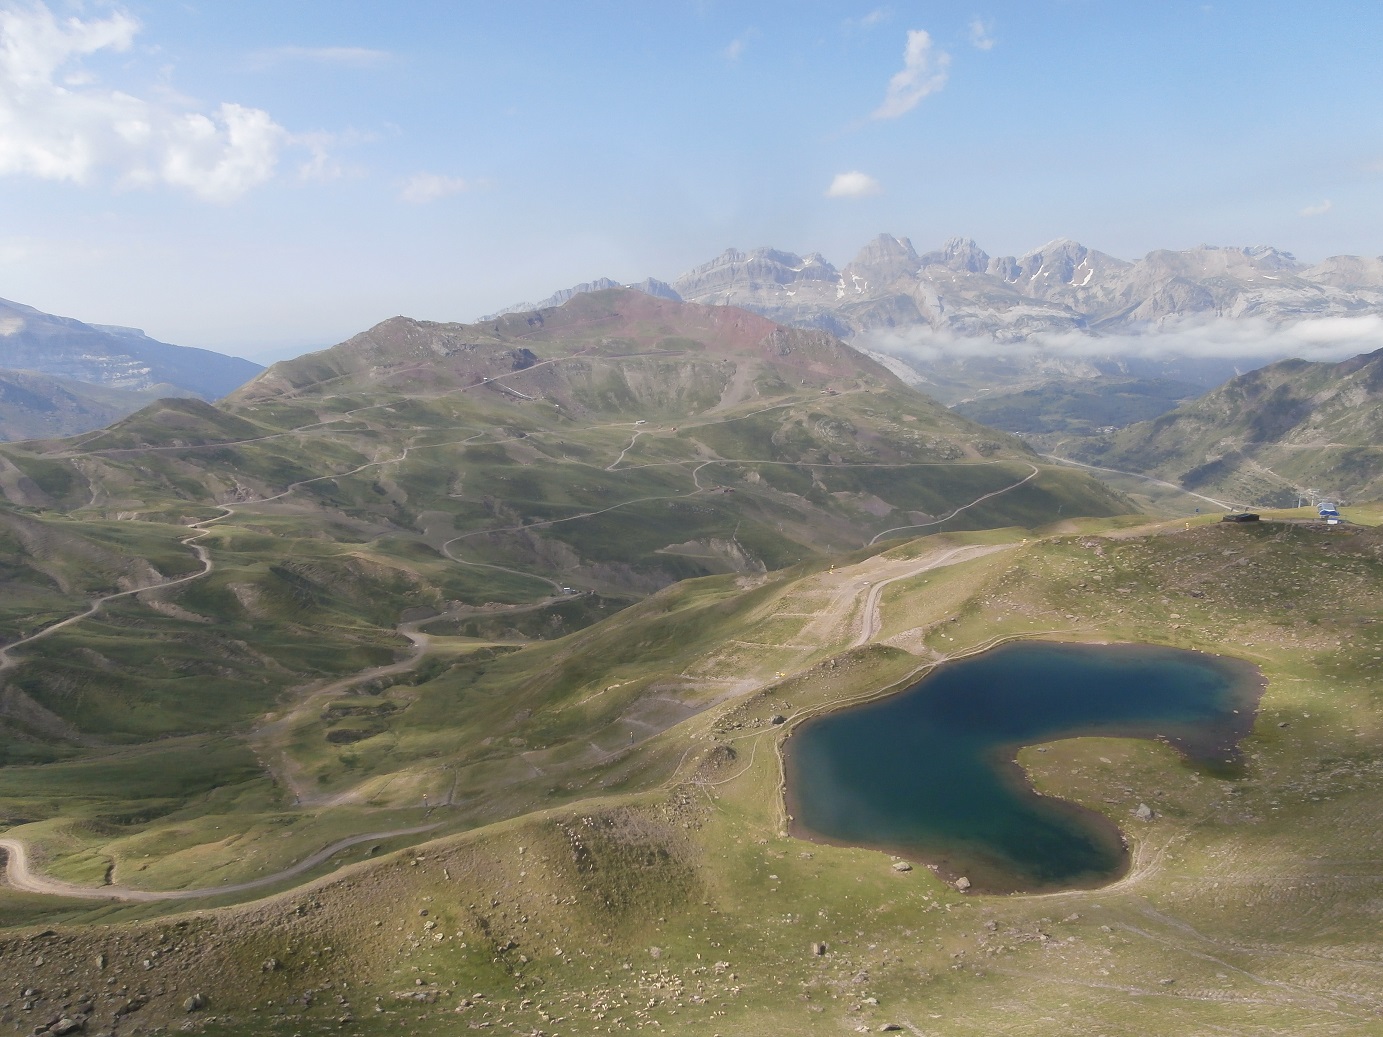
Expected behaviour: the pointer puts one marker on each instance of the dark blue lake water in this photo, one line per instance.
(929, 773)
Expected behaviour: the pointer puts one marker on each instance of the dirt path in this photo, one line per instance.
(267, 737)
(964, 507)
(18, 875)
(1145, 478)
(613, 465)
(872, 620)
(8, 662)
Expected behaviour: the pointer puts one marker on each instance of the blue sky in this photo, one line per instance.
(256, 176)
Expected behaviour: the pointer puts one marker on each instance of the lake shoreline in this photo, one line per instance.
(1210, 747)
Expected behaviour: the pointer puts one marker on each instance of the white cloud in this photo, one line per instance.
(58, 123)
(981, 34)
(354, 57)
(734, 50)
(1323, 338)
(924, 72)
(1318, 210)
(422, 188)
(875, 17)
(321, 164)
(853, 185)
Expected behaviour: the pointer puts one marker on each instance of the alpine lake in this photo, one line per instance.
(930, 774)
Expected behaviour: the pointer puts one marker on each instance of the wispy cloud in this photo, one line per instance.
(981, 34)
(58, 122)
(353, 57)
(734, 50)
(422, 188)
(1319, 209)
(924, 72)
(1323, 338)
(853, 185)
(875, 17)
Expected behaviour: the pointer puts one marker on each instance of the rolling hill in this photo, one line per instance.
(1291, 429)
(440, 680)
(524, 478)
(39, 406)
(61, 377)
(1079, 406)
(577, 880)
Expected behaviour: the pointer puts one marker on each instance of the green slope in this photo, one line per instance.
(654, 884)
(1082, 406)
(1266, 437)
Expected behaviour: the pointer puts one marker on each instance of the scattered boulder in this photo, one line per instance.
(902, 866)
(195, 1003)
(65, 1026)
(962, 883)
(818, 949)
(777, 719)
(1144, 812)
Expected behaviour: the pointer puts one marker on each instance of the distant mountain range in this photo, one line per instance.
(43, 406)
(60, 376)
(964, 322)
(1062, 286)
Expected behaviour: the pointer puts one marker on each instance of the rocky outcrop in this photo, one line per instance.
(1062, 286)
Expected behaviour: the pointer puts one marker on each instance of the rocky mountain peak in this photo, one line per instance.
(1061, 286)
(885, 248)
(1347, 271)
(735, 271)
(1218, 261)
(883, 260)
(958, 254)
(658, 289)
(1267, 257)
(1044, 268)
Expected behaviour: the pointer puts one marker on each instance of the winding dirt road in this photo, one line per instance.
(18, 874)
(1145, 478)
(872, 621)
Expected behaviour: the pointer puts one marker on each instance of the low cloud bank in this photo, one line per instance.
(1325, 338)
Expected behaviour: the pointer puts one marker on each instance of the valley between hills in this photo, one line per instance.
(437, 682)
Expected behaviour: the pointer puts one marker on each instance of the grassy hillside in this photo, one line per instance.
(542, 583)
(652, 885)
(552, 468)
(1265, 437)
(41, 406)
(1083, 407)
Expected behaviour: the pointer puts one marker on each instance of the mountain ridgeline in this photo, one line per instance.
(566, 461)
(1266, 438)
(1061, 287)
(62, 377)
(506, 624)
